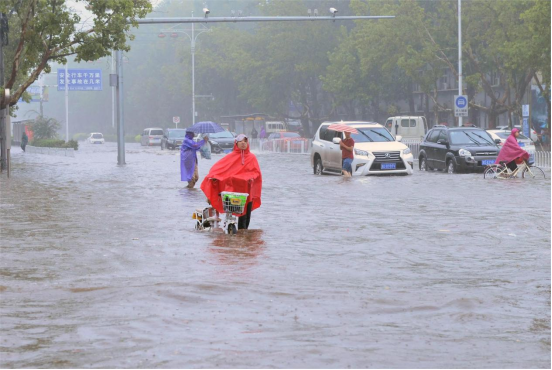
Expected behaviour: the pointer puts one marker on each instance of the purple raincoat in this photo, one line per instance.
(188, 158)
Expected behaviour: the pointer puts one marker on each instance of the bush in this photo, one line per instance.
(81, 136)
(55, 143)
(138, 138)
(113, 138)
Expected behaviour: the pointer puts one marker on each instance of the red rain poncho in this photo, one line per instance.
(511, 150)
(238, 172)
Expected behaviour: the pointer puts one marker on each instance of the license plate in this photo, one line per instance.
(388, 166)
(487, 162)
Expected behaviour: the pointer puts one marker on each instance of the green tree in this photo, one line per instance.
(42, 31)
(45, 128)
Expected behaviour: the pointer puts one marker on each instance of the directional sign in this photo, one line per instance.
(525, 110)
(460, 105)
(176, 119)
(526, 127)
(80, 79)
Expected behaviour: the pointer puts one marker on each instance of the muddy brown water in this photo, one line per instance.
(101, 267)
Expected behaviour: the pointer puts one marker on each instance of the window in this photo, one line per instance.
(432, 136)
(404, 123)
(412, 123)
(97, 136)
(322, 132)
(389, 124)
(442, 135)
(369, 135)
(495, 78)
(145, 133)
(156, 132)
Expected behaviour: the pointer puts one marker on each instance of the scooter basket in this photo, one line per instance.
(233, 202)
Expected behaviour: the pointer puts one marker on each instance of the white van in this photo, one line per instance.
(151, 136)
(409, 127)
(274, 126)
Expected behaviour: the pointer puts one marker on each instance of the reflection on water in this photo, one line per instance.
(242, 249)
(101, 267)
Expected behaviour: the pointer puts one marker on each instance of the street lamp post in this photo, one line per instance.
(193, 38)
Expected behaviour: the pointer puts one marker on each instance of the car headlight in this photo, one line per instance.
(464, 153)
(406, 151)
(362, 152)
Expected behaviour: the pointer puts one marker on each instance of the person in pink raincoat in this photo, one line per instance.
(511, 152)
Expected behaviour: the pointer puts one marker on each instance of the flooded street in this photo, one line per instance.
(101, 267)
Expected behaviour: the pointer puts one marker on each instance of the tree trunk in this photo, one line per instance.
(411, 104)
(492, 118)
(426, 110)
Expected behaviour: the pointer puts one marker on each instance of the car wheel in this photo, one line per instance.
(451, 166)
(423, 164)
(318, 168)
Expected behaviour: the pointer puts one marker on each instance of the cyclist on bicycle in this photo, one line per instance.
(239, 172)
(511, 153)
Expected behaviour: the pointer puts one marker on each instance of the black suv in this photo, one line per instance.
(172, 138)
(457, 149)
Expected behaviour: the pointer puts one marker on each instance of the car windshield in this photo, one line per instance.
(368, 135)
(290, 134)
(221, 135)
(156, 132)
(472, 137)
(175, 134)
(97, 136)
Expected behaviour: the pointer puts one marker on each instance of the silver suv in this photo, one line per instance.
(376, 151)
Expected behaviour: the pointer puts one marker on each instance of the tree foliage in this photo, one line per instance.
(43, 31)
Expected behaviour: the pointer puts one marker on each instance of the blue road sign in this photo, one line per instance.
(461, 102)
(460, 105)
(80, 79)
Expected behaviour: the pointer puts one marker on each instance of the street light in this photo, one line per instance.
(193, 38)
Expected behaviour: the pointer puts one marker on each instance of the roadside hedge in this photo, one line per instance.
(55, 143)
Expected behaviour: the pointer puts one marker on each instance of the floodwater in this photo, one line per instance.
(101, 267)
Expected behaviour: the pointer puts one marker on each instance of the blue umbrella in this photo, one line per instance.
(207, 127)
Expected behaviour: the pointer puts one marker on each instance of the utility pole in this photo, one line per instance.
(4, 129)
(460, 55)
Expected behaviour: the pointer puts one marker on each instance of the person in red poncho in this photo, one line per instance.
(511, 152)
(239, 172)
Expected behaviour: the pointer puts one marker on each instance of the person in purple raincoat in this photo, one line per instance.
(188, 158)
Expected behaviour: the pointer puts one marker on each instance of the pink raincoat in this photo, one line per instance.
(511, 150)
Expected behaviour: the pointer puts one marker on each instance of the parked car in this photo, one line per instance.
(221, 142)
(172, 138)
(534, 135)
(409, 127)
(457, 149)
(523, 141)
(376, 151)
(151, 136)
(96, 138)
(282, 141)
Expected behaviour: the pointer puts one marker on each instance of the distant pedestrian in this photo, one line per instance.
(254, 133)
(347, 146)
(263, 133)
(188, 158)
(24, 140)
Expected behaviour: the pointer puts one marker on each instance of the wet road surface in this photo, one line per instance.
(101, 267)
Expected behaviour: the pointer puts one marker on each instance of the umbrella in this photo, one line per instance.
(342, 128)
(206, 127)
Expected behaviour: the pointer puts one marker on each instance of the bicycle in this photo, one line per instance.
(232, 204)
(502, 171)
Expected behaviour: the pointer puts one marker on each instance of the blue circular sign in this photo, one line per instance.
(461, 102)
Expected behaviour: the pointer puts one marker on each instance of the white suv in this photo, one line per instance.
(376, 151)
(96, 138)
